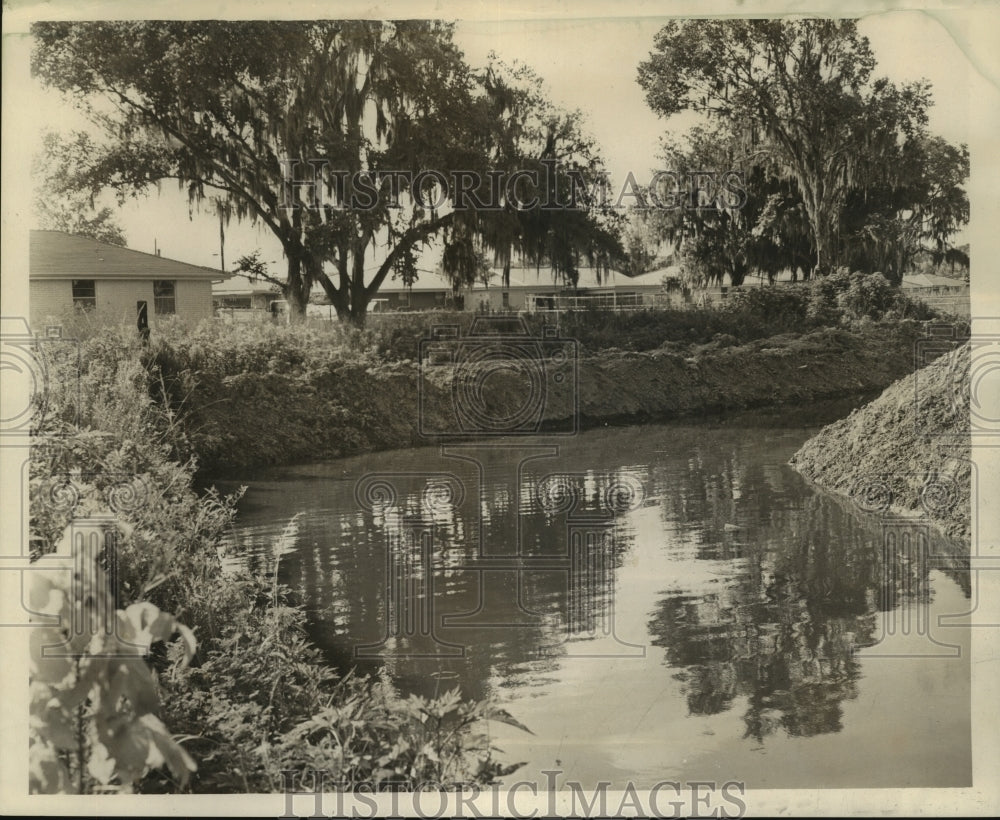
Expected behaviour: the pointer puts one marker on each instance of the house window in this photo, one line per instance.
(84, 294)
(506, 299)
(163, 297)
(404, 298)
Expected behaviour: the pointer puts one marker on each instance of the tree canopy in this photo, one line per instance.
(746, 218)
(802, 96)
(275, 120)
(58, 208)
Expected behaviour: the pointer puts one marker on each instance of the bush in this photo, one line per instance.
(257, 696)
(867, 296)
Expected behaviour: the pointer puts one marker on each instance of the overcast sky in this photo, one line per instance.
(587, 64)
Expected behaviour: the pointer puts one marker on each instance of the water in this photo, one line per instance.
(653, 602)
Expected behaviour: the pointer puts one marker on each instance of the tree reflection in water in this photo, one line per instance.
(774, 585)
(809, 592)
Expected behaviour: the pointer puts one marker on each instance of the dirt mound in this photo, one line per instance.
(907, 452)
(786, 369)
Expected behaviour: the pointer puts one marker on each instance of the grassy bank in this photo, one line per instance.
(270, 395)
(230, 692)
(251, 396)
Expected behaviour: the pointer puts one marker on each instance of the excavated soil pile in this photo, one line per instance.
(907, 452)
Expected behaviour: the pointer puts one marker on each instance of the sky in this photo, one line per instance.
(587, 64)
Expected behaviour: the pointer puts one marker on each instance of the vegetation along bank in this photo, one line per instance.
(251, 396)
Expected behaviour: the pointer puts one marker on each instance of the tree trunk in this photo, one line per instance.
(822, 215)
(296, 289)
(357, 315)
(359, 293)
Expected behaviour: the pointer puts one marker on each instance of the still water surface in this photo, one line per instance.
(654, 602)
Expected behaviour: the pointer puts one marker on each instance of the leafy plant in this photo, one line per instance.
(867, 296)
(104, 718)
(94, 698)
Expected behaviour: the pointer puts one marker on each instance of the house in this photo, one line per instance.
(431, 291)
(939, 292)
(932, 284)
(532, 289)
(240, 298)
(68, 273)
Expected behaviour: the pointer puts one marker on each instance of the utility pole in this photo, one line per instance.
(222, 243)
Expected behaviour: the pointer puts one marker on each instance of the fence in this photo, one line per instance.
(958, 304)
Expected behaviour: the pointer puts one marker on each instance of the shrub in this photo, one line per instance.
(257, 695)
(263, 702)
(93, 698)
(867, 296)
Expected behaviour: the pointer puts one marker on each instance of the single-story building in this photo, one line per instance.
(531, 289)
(939, 292)
(932, 284)
(431, 291)
(240, 292)
(68, 273)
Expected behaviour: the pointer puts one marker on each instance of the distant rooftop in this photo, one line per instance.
(240, 283)
(930, 280)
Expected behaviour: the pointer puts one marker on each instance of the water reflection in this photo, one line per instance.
(492, 568)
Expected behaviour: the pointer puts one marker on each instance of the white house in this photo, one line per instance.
(532, 289)
(68, 273)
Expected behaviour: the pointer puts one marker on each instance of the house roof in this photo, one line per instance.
(930, 280)
(426, 280)
(530, 278)
(589, 279)
(239, 284)
(652, 278)
(58, 255)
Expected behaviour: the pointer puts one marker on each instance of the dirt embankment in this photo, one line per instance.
(709, 378)
(907, 451)
(254, 419)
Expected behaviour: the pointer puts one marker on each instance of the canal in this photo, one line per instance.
(653, 602)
